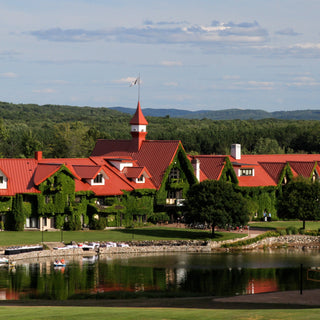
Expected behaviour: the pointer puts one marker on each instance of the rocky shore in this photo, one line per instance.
(192, 246)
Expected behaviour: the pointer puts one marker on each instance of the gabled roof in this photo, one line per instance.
(110, 148)
(86, 171)
(303, 168)
(156, 156)
(19, 173)
(211, 166)
(273, 169)
(138, 118)
(135, 172)
(44, 171)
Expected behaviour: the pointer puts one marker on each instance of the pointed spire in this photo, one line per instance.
(138, 117)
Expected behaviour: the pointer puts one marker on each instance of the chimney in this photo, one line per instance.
(196, 166)
(236, 151)
(38, 155)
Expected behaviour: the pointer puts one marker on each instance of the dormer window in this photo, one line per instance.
(141, 179)
(246, 172)
(3, 181)
(98, 179)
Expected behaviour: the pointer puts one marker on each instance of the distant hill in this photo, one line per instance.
(228, 114)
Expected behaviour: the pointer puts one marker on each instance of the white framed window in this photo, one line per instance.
(141, 179)
(246, 172)
(98, 179)
(3, 181)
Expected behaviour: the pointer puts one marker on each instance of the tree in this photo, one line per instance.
(216, 203)
(300, 200)
(17, 218)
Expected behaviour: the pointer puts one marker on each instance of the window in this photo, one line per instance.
(98, 178)
(1, 179)
(171, 194)
(174, 174)
(141, 179)
(246, 172)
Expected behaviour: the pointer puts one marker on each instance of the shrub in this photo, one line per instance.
(292, 230)
(158, 217)
(98, 224)
(283, 232)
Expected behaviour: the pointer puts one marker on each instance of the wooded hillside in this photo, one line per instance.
(67, 131)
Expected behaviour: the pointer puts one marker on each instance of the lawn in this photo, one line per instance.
(310, 225)
(8, 238)
(88, 313)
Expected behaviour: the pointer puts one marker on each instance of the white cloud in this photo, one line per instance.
(171, 63)
(245, 32)
(303, 82)
(127, 80)
(46, 90)
(287, 32)
(231, 77)
(171, 84)
(8, 75)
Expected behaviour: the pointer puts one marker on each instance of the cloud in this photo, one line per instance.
(127, 80)
(231, 77)
(171, 84)
(303, 82)
(8, 75)
(46, 90)
(163, 33)
(287, 32)
(253, 85)
(171, 63)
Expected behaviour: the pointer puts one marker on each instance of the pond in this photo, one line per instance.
(179, 274)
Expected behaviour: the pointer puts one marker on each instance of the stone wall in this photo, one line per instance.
(293, 241)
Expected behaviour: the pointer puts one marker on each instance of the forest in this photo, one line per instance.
(71, 131)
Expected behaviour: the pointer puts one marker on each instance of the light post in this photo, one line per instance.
(42, 230)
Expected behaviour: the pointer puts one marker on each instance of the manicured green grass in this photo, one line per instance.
(8, 238)
(88, 313)
(310, 225)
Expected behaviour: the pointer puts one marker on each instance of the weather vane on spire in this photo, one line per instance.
(136, 82)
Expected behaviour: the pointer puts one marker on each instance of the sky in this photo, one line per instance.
(192, 55)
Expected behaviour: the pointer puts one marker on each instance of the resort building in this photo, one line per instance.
(126, 181)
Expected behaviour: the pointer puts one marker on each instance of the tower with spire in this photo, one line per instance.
(138, 128)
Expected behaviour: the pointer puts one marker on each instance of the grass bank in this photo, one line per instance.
(10, 238)
(278, 225)
(95, 313)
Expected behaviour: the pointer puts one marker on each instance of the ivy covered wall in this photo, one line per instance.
(186, 179)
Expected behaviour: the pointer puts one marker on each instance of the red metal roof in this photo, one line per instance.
(138, 117)
(156, 156)
(303, 168)
(44, 171)
(86, 171)
(115, 148)
(133, 172)
(211, 166)
(19, 173)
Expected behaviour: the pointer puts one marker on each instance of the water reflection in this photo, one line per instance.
(201, 274)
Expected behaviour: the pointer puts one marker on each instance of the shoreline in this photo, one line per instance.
(294, 242)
